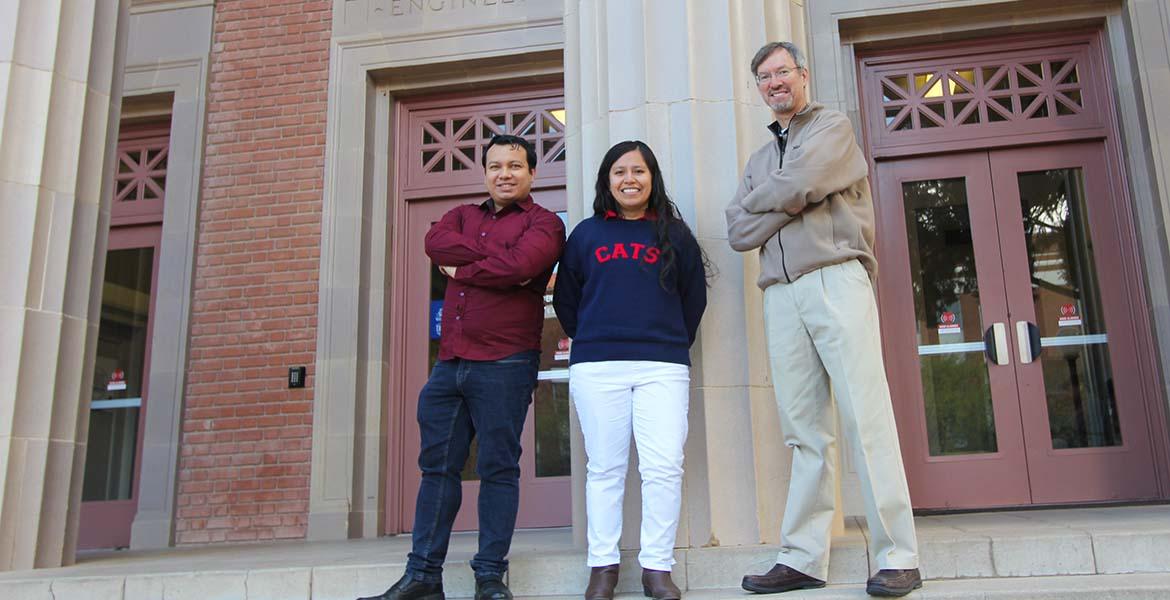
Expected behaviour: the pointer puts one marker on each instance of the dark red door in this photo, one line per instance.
(122, 364)
(110, 489)
(544, 464)
(1007, 317)
(439, 143)
(1073, 326)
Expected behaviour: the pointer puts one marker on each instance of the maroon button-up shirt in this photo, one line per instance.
(494, 306)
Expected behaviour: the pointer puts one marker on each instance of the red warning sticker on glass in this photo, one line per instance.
(117, 381)
(1069, 317)
(948, 323)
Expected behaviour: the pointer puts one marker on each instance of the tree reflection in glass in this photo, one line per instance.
(1078, 380)
(955, 385)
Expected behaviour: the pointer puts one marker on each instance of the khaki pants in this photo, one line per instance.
(823, 328)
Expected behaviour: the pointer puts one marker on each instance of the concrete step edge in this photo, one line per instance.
(1145, 586)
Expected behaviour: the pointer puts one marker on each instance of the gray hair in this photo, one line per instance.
(793, 50)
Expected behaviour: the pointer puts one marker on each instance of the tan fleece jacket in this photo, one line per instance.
(814, 211)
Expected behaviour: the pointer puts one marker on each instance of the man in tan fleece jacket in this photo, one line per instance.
(805, 203)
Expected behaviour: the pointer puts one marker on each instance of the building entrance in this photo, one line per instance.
(1011, 335)
(120, 379)
(1016, 333)
(440, 168)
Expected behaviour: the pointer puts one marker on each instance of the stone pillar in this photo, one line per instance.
(60, 97)
(1141, 63)
(675, 74)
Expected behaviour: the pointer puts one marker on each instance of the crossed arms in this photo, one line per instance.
(828, 161)
(494, 265)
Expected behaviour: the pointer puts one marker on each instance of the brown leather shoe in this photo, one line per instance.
(658, 585)
(781, 578)
(602, 580)
(893, 582)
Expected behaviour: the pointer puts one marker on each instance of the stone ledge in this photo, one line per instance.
(991, 551)
(1146, 586)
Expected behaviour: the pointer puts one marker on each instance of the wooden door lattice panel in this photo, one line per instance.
(445, 145)
(985, 94)
(918, 103)
(140, 175)
(142, 171)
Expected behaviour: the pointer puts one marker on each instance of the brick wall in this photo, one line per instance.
(244, 466)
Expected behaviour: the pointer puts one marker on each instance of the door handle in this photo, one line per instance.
(1028, 340)
(995, 344)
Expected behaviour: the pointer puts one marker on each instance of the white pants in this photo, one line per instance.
(650, 399)
(824, 327)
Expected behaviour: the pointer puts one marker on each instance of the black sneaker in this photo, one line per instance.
(893, 582)
(491, 589)
(408, 588)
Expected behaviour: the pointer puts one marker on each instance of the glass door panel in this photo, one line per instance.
(1016, 253)
(551, 406)
(546, 463)
(551, 401)
(942, 295)
(1082, 410)
(955, 384)
(119, 393)
(118, 375)
(1074, 325)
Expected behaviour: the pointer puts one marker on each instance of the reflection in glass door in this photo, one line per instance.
(1076, 350)
(944, 319)
(109, 490)
(1078, 380)
(1011, 263)
(955, 384)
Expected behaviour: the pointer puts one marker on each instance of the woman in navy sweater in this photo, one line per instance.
(630, 291)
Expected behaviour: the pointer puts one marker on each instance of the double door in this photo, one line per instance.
(1010, 329)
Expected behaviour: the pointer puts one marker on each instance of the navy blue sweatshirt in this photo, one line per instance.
(609, 300)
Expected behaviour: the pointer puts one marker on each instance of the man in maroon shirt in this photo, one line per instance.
(498, 256)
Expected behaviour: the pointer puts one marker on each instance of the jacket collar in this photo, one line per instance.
(798, 118)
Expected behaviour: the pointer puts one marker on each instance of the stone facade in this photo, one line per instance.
(60, 96)
(280, 252)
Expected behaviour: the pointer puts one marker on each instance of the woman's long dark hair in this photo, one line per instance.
(668, 220)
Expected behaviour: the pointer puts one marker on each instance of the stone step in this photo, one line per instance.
(1003, 552)
(278, 585)
(1143, 586)
(987, 545)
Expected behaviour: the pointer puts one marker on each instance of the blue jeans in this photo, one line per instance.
(462, 399)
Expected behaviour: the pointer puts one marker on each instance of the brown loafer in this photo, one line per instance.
(658, 585)
(893, 582)
(602, 580)
(781, 578)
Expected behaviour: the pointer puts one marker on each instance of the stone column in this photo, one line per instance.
(60, 98)
(675, 74)
(1144, 80)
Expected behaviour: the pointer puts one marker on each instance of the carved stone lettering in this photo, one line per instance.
(391, 18)
(402, 8)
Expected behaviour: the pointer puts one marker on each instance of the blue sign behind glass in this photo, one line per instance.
(436, 318)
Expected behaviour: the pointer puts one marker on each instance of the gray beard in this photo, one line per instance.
(782, 107)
